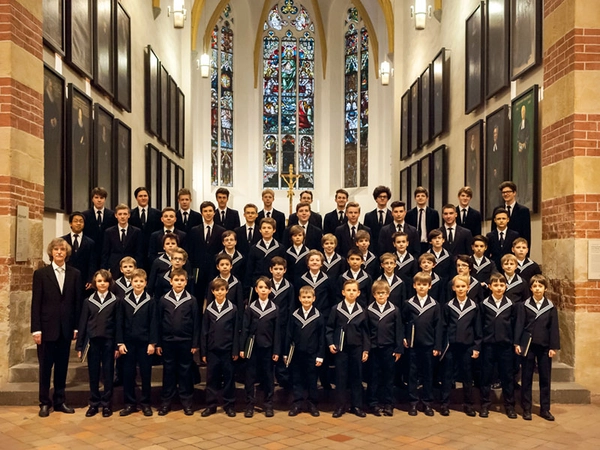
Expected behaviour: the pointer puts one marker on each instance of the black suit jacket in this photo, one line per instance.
(461, 243)
(84, 259)
(372, 221)
(472, 221)
(332, 221)
(194, 219)
(202, 254)
(344, 238)
(243, 245)
(494, 251)
(387, 245)
(312, 238)
(520, 221)
(279, 222)
(232, 219)
(152, 224)
(113, 250)
(53, 313)
(432, 219)
(314, 219)
(155, 246)
(95, 232)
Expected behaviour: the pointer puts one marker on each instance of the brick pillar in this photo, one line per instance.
(571, 176)
(21, 167)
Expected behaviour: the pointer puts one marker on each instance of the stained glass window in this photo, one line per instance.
(221, 104)
(288, 95)
(356, 101)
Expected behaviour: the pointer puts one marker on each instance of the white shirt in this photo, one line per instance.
(422, 300)
(314, 277)
(178, 296)
(305, 312)
(509, 279)
(220, 305)
(497, 301)
(267, 243)
(503, 233)
(538, 304)
(478, 260)
(389, 279)
(276, 284)
(461, 304)
(102, 296)
(137, 297)
(381, 307)
(263, 303)
(354, 274)
(297, 249)
(350, 306)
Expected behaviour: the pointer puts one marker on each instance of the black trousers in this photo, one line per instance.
(457, 366)
(101, 360)
(420, 360)
(178, 367)
(348, 372)
(304, 377)
(544, 362)
(220, 372)
(53, 354)
(380, 390)
(500, 355)
(260, 368)
(137, 355)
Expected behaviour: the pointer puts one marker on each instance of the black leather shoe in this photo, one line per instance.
(106, 412)
(428, 411)
(388, 411)
(546, 415)
(44, 411)
(249, 412)
(469, 411)
(294, 411)
(412, 410)
(527, 414)
(129, 409)
(444, 411)
(230, 412)
(376, 411)
(339, 412)
(189, 411)
(92, 411)
(358, 412)
(163, 410)
(147, 410)
(269, 412)
(510, 412)
(484, 412)
(61, 407)
(208, 411)
(312, 409)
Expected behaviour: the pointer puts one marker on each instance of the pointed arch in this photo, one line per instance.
(196, 16)
(388, 13)
(373, 41)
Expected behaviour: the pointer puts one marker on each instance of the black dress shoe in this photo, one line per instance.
(230, 412)
(92, 411)
(388, 411)
(484, 412)
(294, 411)
(208, 411)
(469, 411)
(106, 412)
(312, 409)
(412, 410)
(164, 410)
(269, 412)
(249, 412)
(44, 411)
(376, 411)
(189, 411)
(61, 407)
(339, 412)
(428, 410)
(444, 411)
(358, 412)
(129, 409)
(510, 412)
(546, 415)
(147, 410)
(527, 415)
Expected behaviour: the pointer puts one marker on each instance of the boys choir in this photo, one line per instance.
(397, 300)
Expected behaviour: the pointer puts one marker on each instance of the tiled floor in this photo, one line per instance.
(576, 426)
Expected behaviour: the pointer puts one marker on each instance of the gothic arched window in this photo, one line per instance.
(288, 94)
(356, 101)
(221, 103)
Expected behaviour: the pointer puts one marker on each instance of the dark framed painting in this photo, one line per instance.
(440, 93)
(496, 39)
(525, 147)
(474, 162)
(103, 151)
(415, 118)
(474, 59)
(153, 175)
(405, 194)
(104, 46)
(425, 95)
(164, 105)
(80, 124)
(172, 114)
(123, 59)
(164, 181)
(497, 157)
(180, 179)
(180, 123)
(54, 140)
(405, 126)
(438, 196)
(152, 92)
(525, 36)
(172, 183)
(54, 25)
(80, 37)
(414, 179)
(425, 171)
(122, 159)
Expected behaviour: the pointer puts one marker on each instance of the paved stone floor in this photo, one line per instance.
(576, 426)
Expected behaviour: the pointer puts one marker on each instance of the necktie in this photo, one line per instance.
(60, 276)
(341, 219)
(464, 215)
(222, 216)
(380, 217)
(250, 234)
(398, 228)
(123, 235)
(99, 218)
(508, 209)
(185, 217)
(450, 236)
(207, 234)
(75, 242)
(353, 234)
(419, 226)
(143, 217)
(501, 239)
(269, 214)
(167, 231)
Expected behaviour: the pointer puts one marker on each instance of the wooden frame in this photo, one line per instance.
(496, 39)
(172, 115)
(104, 46)
(172, 183)
(180, 179)
(474, 59)
(180, 123)
(80, 123)
(54, 140)
(405, 188)
(152, 92)
(123, 59)
(440, 93)
(122, 159)
(405, 126)
(425, 95)
(54, 25)
(415, 118)
(153, 175)
(164, 105)
(164, 180)
(80, 36)
(414, 178)
(525, 36)
(525, 147)
(474, 162)
(103, 151)
(425, 172)
(438, 196)
(497, 157)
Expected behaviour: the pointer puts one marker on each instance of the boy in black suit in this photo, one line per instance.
(248, 234)
(235, 289)
(436, 288)
(336, 217)
(387, 333)
(500, 239)
(315, 218)
(423, 218)
(457, 240)
(161, 284)
(347, 337)
(396, 294)
(260, 254)
(537, 340)
(306, 333)
(136, 340)
(370, 261)
(120, 241)
(83, 250)
(444, 262)
(98, 220)
(333, 264)
(238, 262)
(406, 263)
(467, 216)
(219, 348)
(312, 234)
(399, 225)
(464, 267)
(98, 323)
(355, 272)
(186, 218)
(146, 219)
(516, 287)
(178, 341)
(520, 216)
(226, 217)
(268, 212)
(260, 344)
(346, 234)
(423, 329)
(380, 216)
(296, 253)
(463, 337)
(526, 267)
(168, 218)
(483, 267)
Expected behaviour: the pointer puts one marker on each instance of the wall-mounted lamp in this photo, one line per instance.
(420, 12)
(204, 65)
(179, 13)
(385, 72)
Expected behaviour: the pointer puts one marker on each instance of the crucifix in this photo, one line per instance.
(290, 178)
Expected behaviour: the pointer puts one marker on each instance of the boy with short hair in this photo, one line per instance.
(168, 218)
(268, 197)
(427, 264)
(186, 217)
(162, 284)
(444, 266)
(122, 285)
(355, 272)
(347, 337)
(248, 234)
(468, 217)
(121, 240)
(312, 233)
(260, 254)
(386, 332)
(363, 241)
(406, 265)
(423, 218)
(219, 347)
(516, 288)
(526, 267)
(396, 287)
(295, 255)
(500, 240)
(346, 233)
(333, 264)
(224, 216)
(464, 267)
(178, 341)
(162, 264)
(482, 265)
(238, 263)
(235, 290)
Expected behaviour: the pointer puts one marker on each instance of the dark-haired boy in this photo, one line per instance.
(423, 218)
(295, 255)
(333, 264)
(526, 267)
(146, 219)
(238, 262)
(399, 225)
(397, 286)
(500, 239)
(355, 272)
(483, 267)
(444, 264)
(248, 234)
(83, 254)
(370, 261)
(260, 254)
(155, 246)
(235, 290)
(380, 216)
(225, 217)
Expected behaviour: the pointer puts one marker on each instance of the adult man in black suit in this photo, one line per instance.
(98, 220)
(468, 217)
(346, 233)
(83, 257)
(315, 218)
(226, 217)
(379, 217)
(168, 218)
(423, 218)
(186, 217)
(120, 241)
(312, 234)
(519, 215)
(336, 217)
(248, 234)
(268, 196)
(146, 219)
(55, 308)
(457, 240)
(386, 243)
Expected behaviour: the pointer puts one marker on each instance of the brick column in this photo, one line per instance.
(21, 167)
(571, 176)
